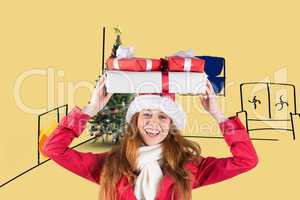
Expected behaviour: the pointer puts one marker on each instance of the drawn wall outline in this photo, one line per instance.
(38, 154)
(39, 126)
(38, 143)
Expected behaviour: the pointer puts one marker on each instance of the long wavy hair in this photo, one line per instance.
(121, 161)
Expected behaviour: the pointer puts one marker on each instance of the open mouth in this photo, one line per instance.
(152, 132)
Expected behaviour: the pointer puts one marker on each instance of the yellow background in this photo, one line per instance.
(259, 39)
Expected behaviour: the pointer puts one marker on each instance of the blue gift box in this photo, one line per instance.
(213, 68)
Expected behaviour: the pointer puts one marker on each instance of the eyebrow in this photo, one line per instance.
(159, 111)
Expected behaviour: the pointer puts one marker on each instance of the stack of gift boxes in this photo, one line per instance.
(177, 74)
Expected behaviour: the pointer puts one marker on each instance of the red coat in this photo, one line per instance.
(210, 170)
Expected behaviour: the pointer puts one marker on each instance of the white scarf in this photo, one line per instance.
(147, 182)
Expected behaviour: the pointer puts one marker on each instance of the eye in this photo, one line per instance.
(146, 114)
(163, 117)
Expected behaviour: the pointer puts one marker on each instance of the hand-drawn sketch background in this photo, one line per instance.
(259, 40)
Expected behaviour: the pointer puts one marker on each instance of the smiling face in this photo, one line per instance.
(153, 125)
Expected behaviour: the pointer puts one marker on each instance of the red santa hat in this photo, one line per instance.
(165, 102)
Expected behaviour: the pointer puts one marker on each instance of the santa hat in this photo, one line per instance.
(164, 102)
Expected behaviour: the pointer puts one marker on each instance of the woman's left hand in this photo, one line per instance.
(210, 104)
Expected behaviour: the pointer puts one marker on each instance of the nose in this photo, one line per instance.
(153, 120)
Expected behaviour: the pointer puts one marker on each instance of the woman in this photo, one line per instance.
(153, 160)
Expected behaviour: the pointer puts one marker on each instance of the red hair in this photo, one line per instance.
(121, 161)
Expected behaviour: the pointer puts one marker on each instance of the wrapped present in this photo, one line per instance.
(126, 61)
(214, 66)
(187, 64)
(155, 82)
(218, 83)
(185, 61)
(134, 64)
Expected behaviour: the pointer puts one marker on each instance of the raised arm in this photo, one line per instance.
(85, 164)
(209, 170)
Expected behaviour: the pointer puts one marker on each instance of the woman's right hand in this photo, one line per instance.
(98, 99)
(209, 103)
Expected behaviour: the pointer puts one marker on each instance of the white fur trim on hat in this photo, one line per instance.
(165, 104)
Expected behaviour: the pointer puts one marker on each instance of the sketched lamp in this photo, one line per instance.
(268, 103)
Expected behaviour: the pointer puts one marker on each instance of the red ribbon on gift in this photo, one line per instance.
(165, 87)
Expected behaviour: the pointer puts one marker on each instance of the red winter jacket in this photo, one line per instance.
(209, 170)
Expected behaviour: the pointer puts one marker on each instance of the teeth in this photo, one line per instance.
(152, 131)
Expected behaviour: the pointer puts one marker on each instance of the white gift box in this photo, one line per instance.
(155, 82)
